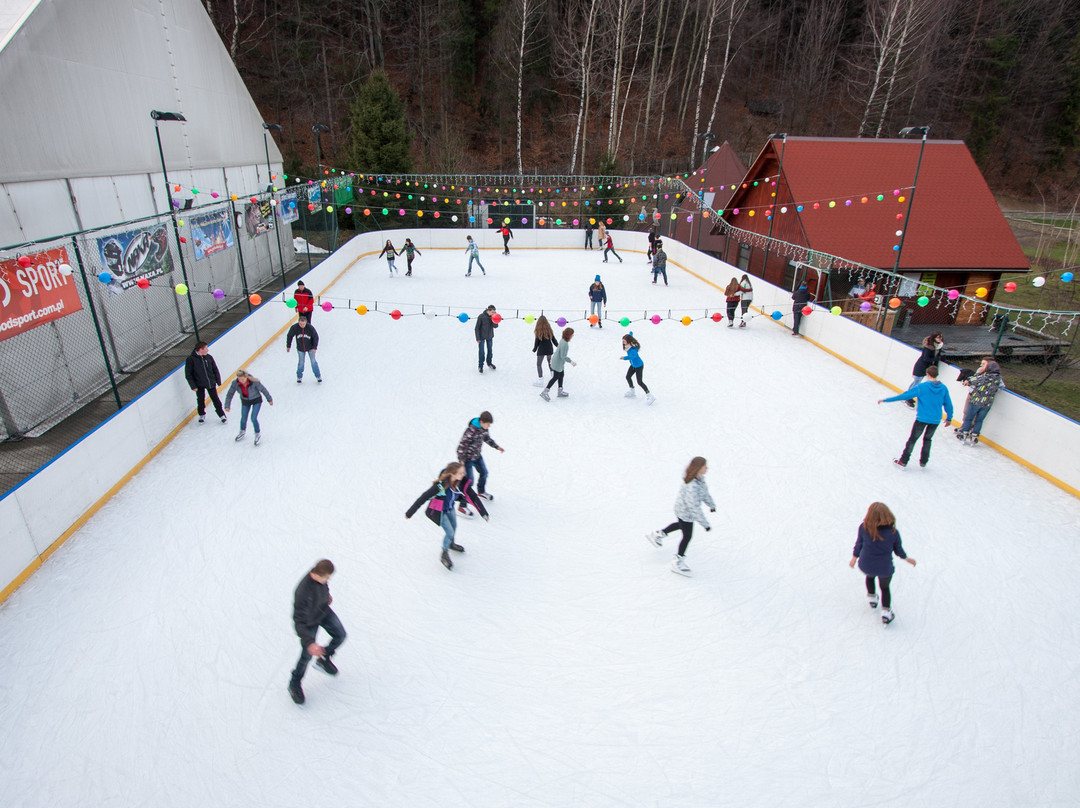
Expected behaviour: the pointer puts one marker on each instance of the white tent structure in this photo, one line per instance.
(78, 148)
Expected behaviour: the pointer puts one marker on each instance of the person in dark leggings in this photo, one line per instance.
(559, 360)
(637, 366)
(877, 541)
(693, 493)
(933, 397)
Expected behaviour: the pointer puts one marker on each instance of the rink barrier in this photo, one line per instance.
(37, 522)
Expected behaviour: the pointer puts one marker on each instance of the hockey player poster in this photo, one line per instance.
(211, 233)
(37, 293)
(135, 254)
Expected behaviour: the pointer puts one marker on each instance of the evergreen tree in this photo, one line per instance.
(380, 141)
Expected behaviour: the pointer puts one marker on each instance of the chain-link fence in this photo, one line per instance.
(81, 312)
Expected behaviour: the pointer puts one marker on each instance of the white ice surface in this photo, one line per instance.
(561, 663)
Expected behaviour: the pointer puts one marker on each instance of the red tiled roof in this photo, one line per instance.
(954, 223)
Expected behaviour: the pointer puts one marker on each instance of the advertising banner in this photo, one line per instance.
(211, 233)
(257, 217)
(289, 213)
(36, 294)
(135, 254)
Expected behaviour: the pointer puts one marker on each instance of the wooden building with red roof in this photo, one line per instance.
(848, 198)
(716, 180)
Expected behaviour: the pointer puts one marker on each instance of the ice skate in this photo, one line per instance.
(872, 600)
(457, 548)
(650, 398)
(678, 566)
(486, 495)
(202, 419)
(563, 393)
(258, 437)
(296, 692)
(544, 395)
(445, 559)
(464, 511)
(900, 464)
(656, 538)
(887, 616)
(630, 393)
(324, 664)
(538, 383)
(239, 436)
(224, 420)
(742, 323)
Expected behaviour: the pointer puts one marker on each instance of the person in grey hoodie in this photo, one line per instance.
(693, 493)
(251, 398)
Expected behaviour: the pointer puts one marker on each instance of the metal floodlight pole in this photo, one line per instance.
(779, 176)
(158, 115)
(317, 129)
(274, 127)
(269, 127)
(706, 136)
(909, 130)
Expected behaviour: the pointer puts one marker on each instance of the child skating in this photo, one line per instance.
(732, 293)
(609, 247)
(877, 542)
(389, 252)
(693, 493)
(474, 255)
(637, 367)
(442, 494)
(410, 251)
(544, 344)
(558, 365)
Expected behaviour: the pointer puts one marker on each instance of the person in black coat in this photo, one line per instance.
(307, 343)
(875, 545)
(588, 235)
(485, 333)
(204, 377)
(311, 610)
(799, 299)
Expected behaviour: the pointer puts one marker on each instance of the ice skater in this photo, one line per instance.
(251, 398)
(877, 541)
(597, 300)
(507, 234)
(733, 293)
(610, 248)
(746, 294)
(203, 376)
(558, 365)
(929, 354)
(307, 342)
(389, 251)
(444, 491)
(410, 250)
(659, 262)
(588, 234)
(800, 298)
(311, 611)
(485, 336)
(933, 396)
(469, 451)
(984, 387)
(693, 493)
(474, 255)
(653, 238)
(305, 300)
(637, 367)
(544, 344)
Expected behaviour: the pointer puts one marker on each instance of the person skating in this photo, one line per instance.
(507, 234)
(307, 342)
(800, 298)
(251, 398)
(929, 354)
(875, 544)
(588, 234)
(485, 336)
(311, 611)
(469, 451)
(389, 251)
(203, 376)
(474, 255)
(597, 300)
(610, 248)
(450, 485)
(984, 387)
(637, 367)
(688, 510)
(409, 249)
(932, 396)
(653, 238)
(601, 232)
(659, 262)
(746, 294)
(305, 301)
(733, 293)
(559, 360)
(544, 344)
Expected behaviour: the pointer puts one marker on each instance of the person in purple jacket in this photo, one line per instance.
(933, 396)
(875, 545)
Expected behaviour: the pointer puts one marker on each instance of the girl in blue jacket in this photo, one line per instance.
(877, 541)
(637, 367)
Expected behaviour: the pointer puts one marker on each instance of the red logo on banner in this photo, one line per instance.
(37, 294)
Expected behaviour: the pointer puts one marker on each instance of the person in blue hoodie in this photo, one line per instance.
(597, 300)
(876, 543)
(932, 396)
(637, 367)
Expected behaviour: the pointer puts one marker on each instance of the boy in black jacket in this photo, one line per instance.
(800, 298)
(307, 342)
(311, 609)
(204, 377)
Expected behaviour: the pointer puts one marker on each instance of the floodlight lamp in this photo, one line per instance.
(272, 127)
(158, 115)
(320, 127)
(915, 130)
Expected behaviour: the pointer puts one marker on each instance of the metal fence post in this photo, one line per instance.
(97, 325)
(240, 255)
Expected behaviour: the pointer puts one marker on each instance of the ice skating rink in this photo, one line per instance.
(561, 663)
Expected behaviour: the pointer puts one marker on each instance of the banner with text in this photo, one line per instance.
(135, 254)
(36, 294)
(211, 233)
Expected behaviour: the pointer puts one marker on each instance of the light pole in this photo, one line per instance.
(317, 129)
(706, 136)
(776, 197)
(274, 127)
(269, 127)
(158, 115)
(910, 130)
